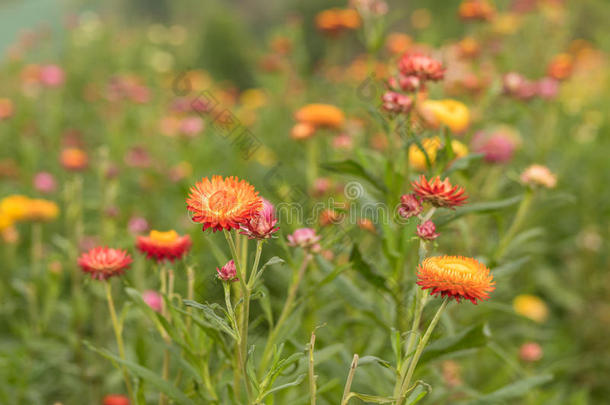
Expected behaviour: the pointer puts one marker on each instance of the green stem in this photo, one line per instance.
(286, 310)
(165, 366)
(312, 377)
(516, 224)
(350, 379)
(419, 350)
(118, 335)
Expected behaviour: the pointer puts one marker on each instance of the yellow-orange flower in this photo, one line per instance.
(223, 203)
(74, 159)
(321, 115)
(398, 43)
(451, 113)
(5, 221)
(455, 277)
(17, 208)
(41, 210)
(14, 207)
(335, 20)
(538, 175)
(417, 159)
(561, 66)
(476, 10)
(532, 307)
(302, 130)
(164, 245)
(6, 108)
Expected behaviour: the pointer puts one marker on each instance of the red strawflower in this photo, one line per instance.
(164, 245)
(103, 262)
(223, 203)
(421, 66)
(439, 193)
(456, 277)
(115, 399)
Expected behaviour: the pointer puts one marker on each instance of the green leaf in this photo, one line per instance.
(354, 168)
(476, 208)
(145, 374)
(210, 315)
(371, 399)
(294, 383)
(471, 338)
(420, 390)
(513, 390)
(373, 359)
(366, 269)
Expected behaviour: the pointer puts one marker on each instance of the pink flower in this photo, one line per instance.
(153, 299)
(191, 126)
(410, 206)
(498, 147)
(342, 141)
(321, 185)
(404, 83)
(548, 88)
(51, 75)
(262, 224)
(137, 225)
(530, 352)
(422, 66)
(305, 238)
(396, 102)
(45, 182)
(228, 272)
(427, 231)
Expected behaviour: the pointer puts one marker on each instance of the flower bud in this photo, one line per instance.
(427, 231)
(227, 272)
(410, 206)
(530, 352)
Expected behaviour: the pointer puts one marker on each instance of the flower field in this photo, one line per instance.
(304, 202)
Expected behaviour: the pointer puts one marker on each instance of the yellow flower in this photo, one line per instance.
(417, 159)
(41, 210)
(14, 207)
(531, 307)
(253, 98)
(451, 113)
(5, 221)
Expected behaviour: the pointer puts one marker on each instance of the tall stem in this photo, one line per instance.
(165, 366)
(419, 350)
(286, 310)
(350, 379)
(516, 224)
(118, 335)
(312, 377)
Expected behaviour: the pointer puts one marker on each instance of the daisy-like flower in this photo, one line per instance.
(455, 277)
(262, 224)
(421, 66)
(439, 193)
(164, 245)
(103, 262)
(538, 175)
(223, 203)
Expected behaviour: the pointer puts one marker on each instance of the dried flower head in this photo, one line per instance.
(223, 203)
(164, 245)
(262, 224)
(422, 66)
(538, 175)
(305, 238)
(103, 262)
(427, 231)
(439, 193)
(410, 206)
(396, 102)
(456, 277)
(228, 272)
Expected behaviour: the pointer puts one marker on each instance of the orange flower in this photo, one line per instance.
(302, 130)
(41, 210)
(6, 108)
(561, 66)
(103, 263)
(223, 203)
(439, 193)
(476, 10)
(164, 245)
(398, 43)
(456, 277)
(334, 21)
(321, 115)
(74, 159)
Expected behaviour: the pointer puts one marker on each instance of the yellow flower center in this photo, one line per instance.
(164, 237)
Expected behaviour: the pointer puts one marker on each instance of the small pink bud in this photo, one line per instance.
(228, 272)
(45, 182)
(305, 238)
(51, 75)
(153, 299)
(530, 352)
(261, 225)
(427, 231)
(410, 206)
(396, 102)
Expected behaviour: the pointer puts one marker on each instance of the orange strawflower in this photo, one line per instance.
(455, 277)
(223, 203)
(6, 108)
(164, 245)
(334, 21)
(74, 159)
(476, 10)
(561, 66)
(321, 115)
(302, 130)
(439, 193)
(398, 43)
(103, 262)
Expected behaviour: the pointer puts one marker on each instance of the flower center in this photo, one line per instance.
(222, 201)
(164, 237)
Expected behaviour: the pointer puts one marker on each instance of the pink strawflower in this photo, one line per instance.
(45, 182)
(262, 224)
(191, 126)
(228, 272)
(530, 352)
(548, 88)
(396, 102)
(342, 141)
(51, 75)
(404, 83)
(137, 225)
(410, 206)
(498, 147)
(305, 238)
(153, 299)
(427, 231)
(422, 66)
